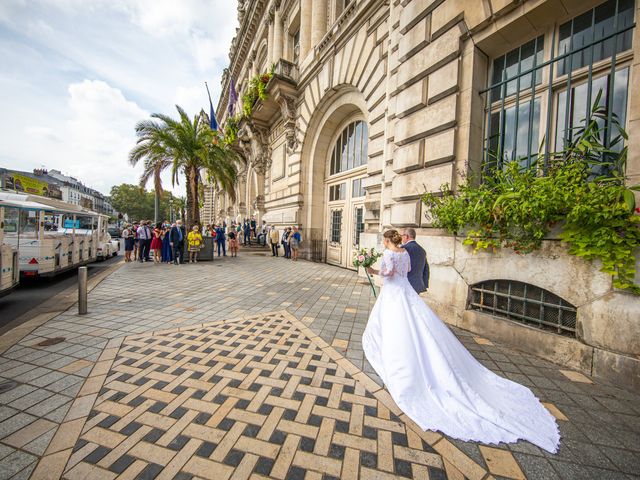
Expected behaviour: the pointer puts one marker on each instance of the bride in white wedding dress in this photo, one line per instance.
(434, 379)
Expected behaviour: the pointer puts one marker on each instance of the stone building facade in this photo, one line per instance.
(373, 102)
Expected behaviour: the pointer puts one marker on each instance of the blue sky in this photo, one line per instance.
(77, 74)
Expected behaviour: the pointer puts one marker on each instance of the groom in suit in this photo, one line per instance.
(419, 275)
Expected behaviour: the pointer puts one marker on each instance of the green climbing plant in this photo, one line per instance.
(582, 189)
(256, 90)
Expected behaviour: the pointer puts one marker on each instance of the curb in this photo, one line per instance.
(38, 316)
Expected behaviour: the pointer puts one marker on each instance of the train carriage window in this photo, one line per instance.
(11, 220)
(85, 223)
(11, 226)
(28, 227)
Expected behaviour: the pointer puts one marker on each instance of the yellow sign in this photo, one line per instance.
(21, 183)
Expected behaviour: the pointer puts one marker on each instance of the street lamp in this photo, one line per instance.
(171, 210)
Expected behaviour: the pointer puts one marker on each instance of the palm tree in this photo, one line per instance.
(187, 146)
(149, 149)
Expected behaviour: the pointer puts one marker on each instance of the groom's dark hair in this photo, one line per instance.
(410, 232)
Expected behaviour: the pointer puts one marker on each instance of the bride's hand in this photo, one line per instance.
(372, 271)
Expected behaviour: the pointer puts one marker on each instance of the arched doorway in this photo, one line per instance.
(332, 237)
(344, 215)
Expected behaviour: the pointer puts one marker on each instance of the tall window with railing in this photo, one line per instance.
(543, 90)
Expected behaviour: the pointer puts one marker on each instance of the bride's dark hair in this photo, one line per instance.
(393, 236)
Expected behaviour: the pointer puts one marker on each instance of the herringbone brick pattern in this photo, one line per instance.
(254, 398)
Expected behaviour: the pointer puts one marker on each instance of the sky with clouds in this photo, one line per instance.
(77, 75)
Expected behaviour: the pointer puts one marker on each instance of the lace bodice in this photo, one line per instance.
(395, 264)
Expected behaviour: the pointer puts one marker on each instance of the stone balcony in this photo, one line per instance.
(282, 92)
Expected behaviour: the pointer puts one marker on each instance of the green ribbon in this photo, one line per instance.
(371, 283)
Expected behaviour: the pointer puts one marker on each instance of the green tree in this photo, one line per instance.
(138, 203)
(150, 150)
(132, 200)
(188, 146)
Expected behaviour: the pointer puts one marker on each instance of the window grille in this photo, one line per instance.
(350, 149)
(528, 96)
(336, 226)
(524, 303)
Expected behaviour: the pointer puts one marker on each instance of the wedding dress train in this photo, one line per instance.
(434, 379)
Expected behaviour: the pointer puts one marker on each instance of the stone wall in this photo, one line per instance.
(415, 70)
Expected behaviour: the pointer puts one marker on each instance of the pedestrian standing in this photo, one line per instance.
(177, 235)
(294, 242)
(247, 233)
(156, 243)
(129, 240)
(262, 237)
(221, 241)
(233, 242)
(274, 235)
(167, 254)
(144, 238)
(285, 242)
(136, 241)
(195, 242)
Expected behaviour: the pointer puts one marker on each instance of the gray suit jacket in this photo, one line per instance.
(419, 275)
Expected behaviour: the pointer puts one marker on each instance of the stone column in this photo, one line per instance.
(278, 39)
(305, 28)
(270, 49)
(318, 21)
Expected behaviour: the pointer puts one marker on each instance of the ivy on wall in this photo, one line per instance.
(256, 90)
(582, 190)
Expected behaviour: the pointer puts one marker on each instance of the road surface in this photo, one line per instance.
(33, 292)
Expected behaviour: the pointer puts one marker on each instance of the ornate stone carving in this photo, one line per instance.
(288, 111)
(254, 143)
(258, 203)
(272, 13)
(242, 10)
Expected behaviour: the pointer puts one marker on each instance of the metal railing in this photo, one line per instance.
(551, 87)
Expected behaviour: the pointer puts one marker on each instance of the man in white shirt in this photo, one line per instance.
(144, 236)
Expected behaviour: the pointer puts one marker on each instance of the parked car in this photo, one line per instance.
(114, 232)
(115, 246)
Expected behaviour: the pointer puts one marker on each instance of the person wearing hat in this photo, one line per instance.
(195, 241)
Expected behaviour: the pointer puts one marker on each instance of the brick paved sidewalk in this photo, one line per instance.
(253, 368)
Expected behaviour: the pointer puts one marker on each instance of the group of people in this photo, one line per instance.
(165, 240)
(230, 237)
(290, 240)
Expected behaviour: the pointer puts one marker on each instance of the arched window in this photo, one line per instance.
(524, 303)
(350, 150)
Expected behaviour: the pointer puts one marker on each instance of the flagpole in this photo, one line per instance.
(208, 93)
(212, 114)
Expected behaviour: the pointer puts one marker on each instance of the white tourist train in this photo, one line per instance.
(50, 236)
(9, 270)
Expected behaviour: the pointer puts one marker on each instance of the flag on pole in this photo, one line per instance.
(213, 123)
(233, 97)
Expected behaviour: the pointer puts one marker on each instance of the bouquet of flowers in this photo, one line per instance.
(366, 257)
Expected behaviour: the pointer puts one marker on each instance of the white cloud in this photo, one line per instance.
(44, 133)
(142, 56)
(103, 119)
(99, 133)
